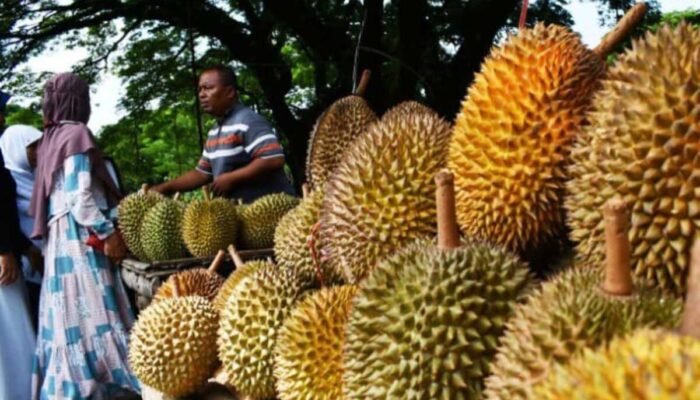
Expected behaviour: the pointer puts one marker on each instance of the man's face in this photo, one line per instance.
(215, 97)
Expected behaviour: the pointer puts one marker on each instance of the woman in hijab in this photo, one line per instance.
(18, 146)
(85, 316)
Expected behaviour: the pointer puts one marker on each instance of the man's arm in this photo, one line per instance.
(256, 169)
(184, 183)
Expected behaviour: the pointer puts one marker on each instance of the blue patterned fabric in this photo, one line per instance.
(85, 316)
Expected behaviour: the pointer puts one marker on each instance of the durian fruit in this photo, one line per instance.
(132, 210)
(309, 351)
(405, 108)
(251, 320)
(203, 282)
(173, 345)
(382, 195)
(344, 121)
(642, 145)
(260, 218)
(209, 225)
(161, 231)
(233, 280)
(512, 137)
(292, 241)
(647, 365)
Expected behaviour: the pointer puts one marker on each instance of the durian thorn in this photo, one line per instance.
(690, 324)
(217, 261)
(205, 191)
(364, 82)
(177, 196)
(144, 188)
(305, 190)
(237, 260)
(311, 243)
(618, 273)
(622, 29)
(448, 235)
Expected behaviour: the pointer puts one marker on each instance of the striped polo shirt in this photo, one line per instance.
(241, 137)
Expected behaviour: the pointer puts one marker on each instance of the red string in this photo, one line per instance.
(523, 15)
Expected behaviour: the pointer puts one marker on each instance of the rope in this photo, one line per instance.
(523, 14)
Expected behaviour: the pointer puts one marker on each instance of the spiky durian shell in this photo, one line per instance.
(382, 193)
(642, 145)
(193, 282)
(512, 137)
(161, 231)
(291, 241)
(251, 320)
(405, 108)
(233, 280)
(132, 210)
(338, 126)
(209, 226)
(563, 317)
(173, 345)
(647, 365)
(260, 218)
(308, 356)
(426, 322)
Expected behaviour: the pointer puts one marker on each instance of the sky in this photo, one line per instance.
(107, 91)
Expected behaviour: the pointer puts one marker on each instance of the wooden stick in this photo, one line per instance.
(621, 30)
(305, 190)
(205, 190)
(237, 260)
(618, 273)
(690, 324)
(448, 234)
(217, 261)
(364, 82)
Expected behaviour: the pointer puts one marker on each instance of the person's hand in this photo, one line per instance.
(222, 185)
(115, 248)
(9, 271)
(36, 260)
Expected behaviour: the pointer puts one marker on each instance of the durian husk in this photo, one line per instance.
(647, 365)
(642, 145)
(161, 231)
(131, 211)
(382, 194)
(561, 319)
(209, 225)
(338, 126)
(308, 355)
(405, 108)
(173, 345)
(425, 323)
(260, 218)
(233, 280)
(253, 316)
(513, 135)
(193, 282)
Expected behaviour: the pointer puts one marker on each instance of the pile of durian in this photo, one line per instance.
(157, 228)
(419, 265)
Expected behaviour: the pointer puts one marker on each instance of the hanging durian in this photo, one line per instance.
(260, 218)
(161, 231)
(642, 145)
(572, 312)
(426, 321)
(513, 135)
(204, 282)
(209, 225)
(341, 123)
(382, 194)
(309, 350)
(131, 211)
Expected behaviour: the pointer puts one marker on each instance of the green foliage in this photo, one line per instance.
(24, 116)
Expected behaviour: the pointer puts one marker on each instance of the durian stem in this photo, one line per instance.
(177, 196)
(690, 324)
(205, 191)
(311, 243)
(364, 82)
(237, 260)
(144, 188)
(217, 261)
(448, 234)
(618, 274)
(523, 14)
(305, 190)
(176, 288)
(621, 30)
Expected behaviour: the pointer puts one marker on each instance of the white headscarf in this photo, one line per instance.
(13, 144)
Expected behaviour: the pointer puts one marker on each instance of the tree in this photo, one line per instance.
(293, 57)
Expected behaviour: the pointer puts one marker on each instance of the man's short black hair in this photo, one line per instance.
(226, 74)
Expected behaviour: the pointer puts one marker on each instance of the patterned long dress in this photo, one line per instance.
(84, 316)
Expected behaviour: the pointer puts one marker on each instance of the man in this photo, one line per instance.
(242, 157)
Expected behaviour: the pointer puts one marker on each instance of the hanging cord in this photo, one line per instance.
(523, 14)
(193, 66)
